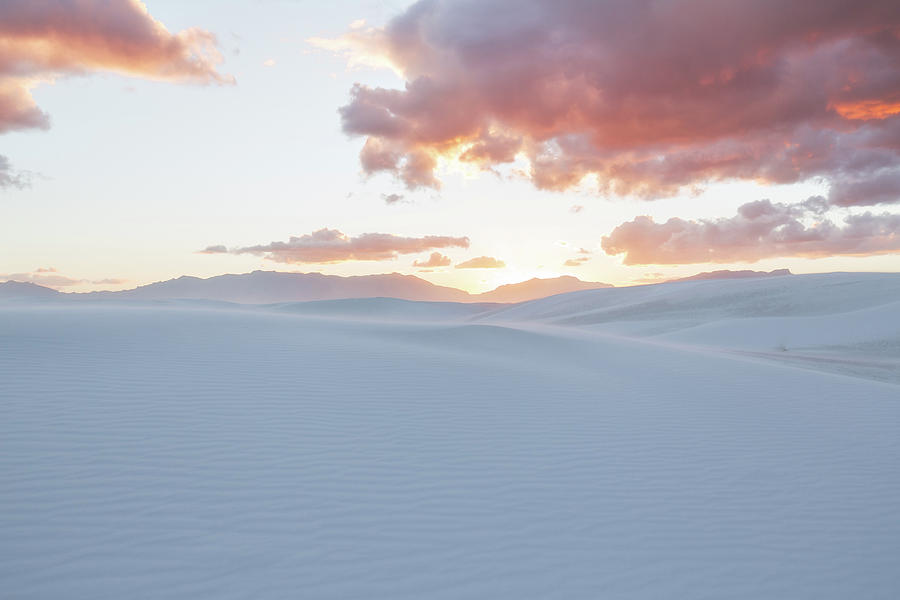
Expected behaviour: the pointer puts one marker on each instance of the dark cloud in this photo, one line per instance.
(331, 246)
(217, 249)
(9, 177)
(759, 230)
(391, 198)
(651, 97)
(482, 262)
(882, 188)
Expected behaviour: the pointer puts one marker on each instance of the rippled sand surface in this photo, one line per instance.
(183, 450)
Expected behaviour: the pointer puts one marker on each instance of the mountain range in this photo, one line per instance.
(270, 287)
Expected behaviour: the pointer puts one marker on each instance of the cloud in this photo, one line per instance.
(653, 98)
(41, 40)
(482, 262)
(9, 177)
(576, 262)
(759, 230)
(584, 255)
(435, 260)
(882, 188)
(217, 249)
(332, 246)
(391, 198)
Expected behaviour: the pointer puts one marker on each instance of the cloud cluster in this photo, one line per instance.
(759, 230)
(482, 262)
(650, 97)
(41, 40)
(333, 246)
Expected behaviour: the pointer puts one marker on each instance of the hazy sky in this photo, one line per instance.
(525, 132)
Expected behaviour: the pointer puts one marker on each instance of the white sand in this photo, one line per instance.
(710, 439)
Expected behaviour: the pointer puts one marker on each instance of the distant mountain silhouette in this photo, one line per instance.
(726, 274)
(20, 289)
(269, 287)
(538, 288)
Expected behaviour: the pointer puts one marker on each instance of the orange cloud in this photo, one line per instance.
(576, 262)
(866, 110)
(41, 40)
(482, 262)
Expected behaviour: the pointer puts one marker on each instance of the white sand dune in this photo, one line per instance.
(838, 322)
(666, 441)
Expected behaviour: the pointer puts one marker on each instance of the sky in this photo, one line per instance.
(471, 143)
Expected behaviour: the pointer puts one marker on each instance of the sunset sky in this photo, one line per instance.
(472, 143)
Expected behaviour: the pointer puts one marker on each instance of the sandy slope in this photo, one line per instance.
(563, 448)
(838, 322)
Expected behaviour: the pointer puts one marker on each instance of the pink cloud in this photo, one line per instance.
(759, 230)
(41, 40)
(331, 246)
(651, 97)
(435, 260)
(482, 262)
